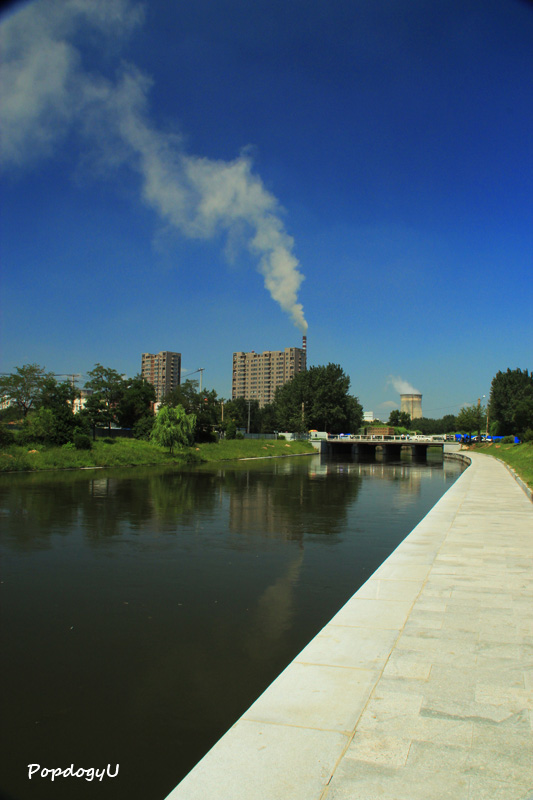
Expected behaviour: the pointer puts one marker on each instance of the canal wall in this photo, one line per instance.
(420, 686)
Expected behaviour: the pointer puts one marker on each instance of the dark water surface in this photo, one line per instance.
(144, 610)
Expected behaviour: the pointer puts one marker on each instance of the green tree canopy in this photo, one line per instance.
(428, 425)
(107, 387)
(57, 399)
(173, 426)
(237, 411)
(318, 399)
(136, 402)
(472, 419)
(24, 387)
(268, 422)
(400, 419)
(205, 405)
(511, 402)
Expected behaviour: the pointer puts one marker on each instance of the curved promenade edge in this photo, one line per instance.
(420, 687)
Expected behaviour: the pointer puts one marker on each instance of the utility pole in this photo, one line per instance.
(201, 371)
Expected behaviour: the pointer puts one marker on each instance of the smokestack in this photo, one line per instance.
(304, 343)
(412, 405)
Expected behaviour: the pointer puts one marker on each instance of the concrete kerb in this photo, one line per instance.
(525, 488)
(406, 672)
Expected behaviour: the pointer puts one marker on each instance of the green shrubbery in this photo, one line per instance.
(82, 441)
(143, 428)
(7, 437)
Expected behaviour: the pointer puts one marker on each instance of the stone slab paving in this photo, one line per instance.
(420, 687)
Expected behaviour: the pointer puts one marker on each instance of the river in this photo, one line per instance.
(143, 610)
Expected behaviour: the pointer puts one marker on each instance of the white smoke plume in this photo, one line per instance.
(46, 95)
(401, 386)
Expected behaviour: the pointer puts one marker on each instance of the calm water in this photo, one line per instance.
(143, 611)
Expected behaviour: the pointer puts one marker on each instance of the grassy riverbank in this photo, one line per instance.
(134, 452)
(518, 456)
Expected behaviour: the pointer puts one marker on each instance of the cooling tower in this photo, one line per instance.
(412, 404)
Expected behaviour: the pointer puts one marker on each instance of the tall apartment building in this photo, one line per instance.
(163, 370)
(256, 376)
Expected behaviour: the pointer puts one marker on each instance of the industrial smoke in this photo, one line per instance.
(47, 95)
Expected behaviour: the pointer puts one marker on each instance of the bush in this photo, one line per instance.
(508, 440)
(6, 437)
(109, 440)
(143, 427)
(68, 446)
(239, 435)
(231, 430)
(205, 436)
(82, 441)
(281, 437)
(528, 435)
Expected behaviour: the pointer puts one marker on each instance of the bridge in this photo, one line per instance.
(389, 446)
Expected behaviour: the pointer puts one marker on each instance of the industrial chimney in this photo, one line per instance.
(412, 405)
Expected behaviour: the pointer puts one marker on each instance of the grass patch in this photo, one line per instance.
(518, 456)
(135, 452)
(124, 452)
(229, 449)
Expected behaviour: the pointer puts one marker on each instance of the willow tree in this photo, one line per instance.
(173, 426)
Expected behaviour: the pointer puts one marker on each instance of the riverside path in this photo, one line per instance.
(420, 687)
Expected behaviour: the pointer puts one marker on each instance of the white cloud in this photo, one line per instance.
(46, 93)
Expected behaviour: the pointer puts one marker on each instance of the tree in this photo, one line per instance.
(400, 419)
(427, 425)
(240, 410)
(136, 402)
(24, 388)
(448, 424)
(511, 402)
(186, 395)
(173, 426)
(290, 404)
(107, 387)
(267, 416)
(472, 418)
(318, 398)
(205, 405)
(57, 400)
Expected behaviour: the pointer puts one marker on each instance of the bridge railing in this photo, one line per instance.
(390, 439)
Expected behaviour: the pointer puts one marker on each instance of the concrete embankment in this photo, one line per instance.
(420, 687)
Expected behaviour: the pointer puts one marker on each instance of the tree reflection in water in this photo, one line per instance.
(144, 609)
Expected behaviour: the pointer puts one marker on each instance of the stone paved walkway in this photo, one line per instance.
(421, 687)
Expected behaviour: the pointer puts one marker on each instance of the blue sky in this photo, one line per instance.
(216, 175)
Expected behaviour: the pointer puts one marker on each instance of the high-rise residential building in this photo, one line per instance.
(256, 376)
(163, 370)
